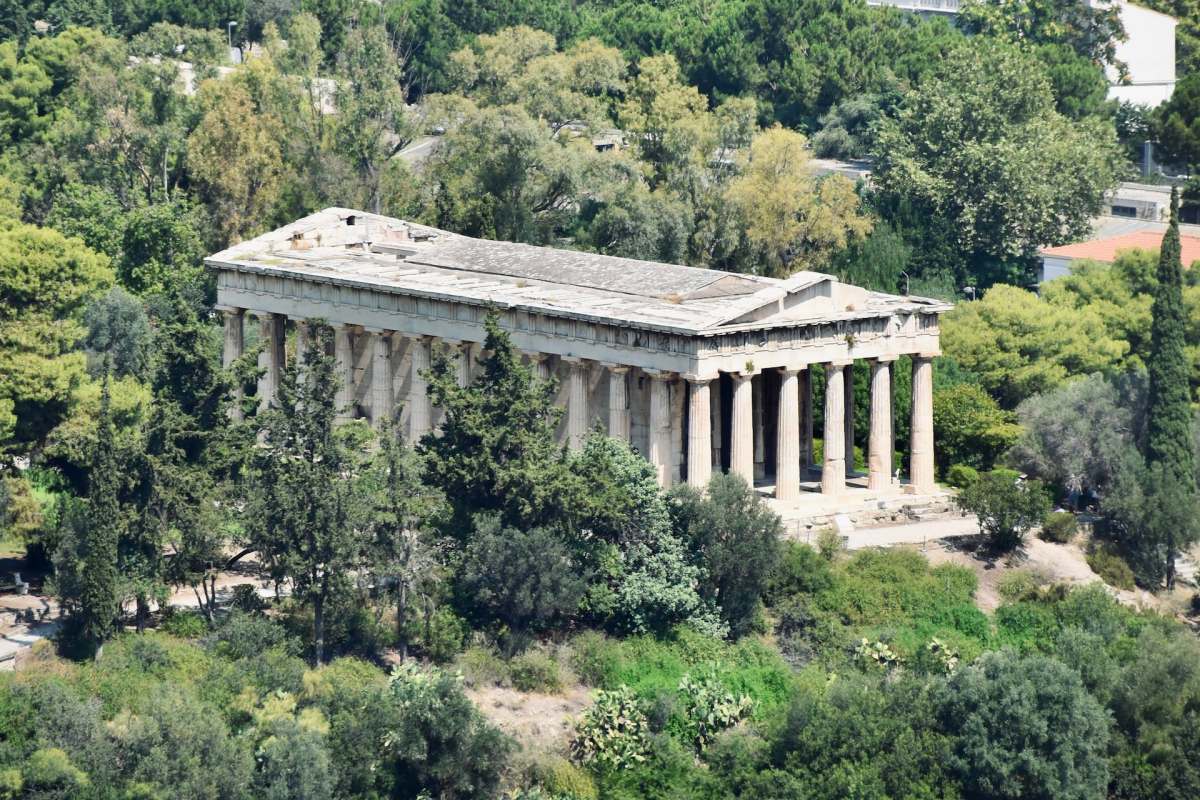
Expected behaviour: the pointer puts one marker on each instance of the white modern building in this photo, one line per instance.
(1148, 54)
(698, 369)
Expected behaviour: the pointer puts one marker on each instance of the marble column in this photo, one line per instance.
(343, 354)
(541, 365)
(806, 420)
(718, 425)
(420, 408)
(660, 426)
(741, 456)
(577, 402)
(833, 471)
(462, 363)
(879, 473)
(618, 402)
(272, 358)
(760, 425)
(787, 441)
(699, 452)
(302, 336)
(381, 379)
(920, 470)
(848, 418)
(234, 319)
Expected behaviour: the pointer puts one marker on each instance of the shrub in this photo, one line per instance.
(440, 742)
(442, 638)
(482, 666)
(535, 671)
(243, 635)
(184, 623)
(829, 543)
(1007, 508)
(1017, 584)
(800, 569)
(246, 598)
(562, 779)
(595, 659)
(1059, 527)
(960, 476)
(1106, 562)
(1050, 744)
(613, 732)
(805, 631)
(709, 706)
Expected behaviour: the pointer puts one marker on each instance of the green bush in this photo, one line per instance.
(613, 732)
(1106, 562)
(1059, 527)
(1016, 585)
(442, 639)
(800, 569)
(961, 476)
(482, 666)
(595, 659)
(561, 779)
(241, 635)
(184, 623)
(710, 707)
(535, 671)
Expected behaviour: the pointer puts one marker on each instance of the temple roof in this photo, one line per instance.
(365, 250)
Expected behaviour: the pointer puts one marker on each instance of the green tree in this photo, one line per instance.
(1019, 345)
(980, 145)
(1024, 728)
(1177, 123)
(734, 537)
(795, 219)
(518, 583)
(496, 449)
(1007, 507)
(969, 427)
(305, 515)
(45, 281)
(90, 594)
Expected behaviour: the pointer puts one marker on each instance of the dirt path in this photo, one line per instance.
(540, 722)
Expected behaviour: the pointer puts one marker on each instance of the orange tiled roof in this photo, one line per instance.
(1107, 249)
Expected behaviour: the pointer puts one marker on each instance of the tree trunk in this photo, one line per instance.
(401, 619)
(143, 611)
(319, 628)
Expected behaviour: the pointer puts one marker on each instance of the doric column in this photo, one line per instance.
(271, 358)
(879, 474)
(577, 402)
(718, 425)
(343, 354)
(787, 442)
(618, 402)
(302, 336)
(462, 362)
(741, 446)
(420, 409)
(760, 425)
(833, 471)
(660, 426)
(699, 452)
(541, 365)
(381, 378)
(677, 390)
(234, 344)
(848, 418)
(920, 470)
(806, 419)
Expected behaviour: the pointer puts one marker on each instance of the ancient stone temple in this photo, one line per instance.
(699, 370)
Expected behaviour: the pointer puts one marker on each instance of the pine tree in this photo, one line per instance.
(98, 601)
(1169, 413)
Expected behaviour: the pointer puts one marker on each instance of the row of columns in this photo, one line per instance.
(794, 428)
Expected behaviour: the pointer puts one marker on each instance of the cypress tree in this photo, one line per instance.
(1169, 412)
(99, 602)
(1169, 422)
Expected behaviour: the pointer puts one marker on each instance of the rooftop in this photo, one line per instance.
(364, 250)
(1106, 249)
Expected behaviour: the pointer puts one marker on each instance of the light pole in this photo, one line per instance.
(229, 29)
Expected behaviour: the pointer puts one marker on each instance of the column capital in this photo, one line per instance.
(930, 354)
(416, 337)
(884, 359)
(618, 369)
(698, 379)
(574, 361)
(660, 374)
(234, 310)
(840, 363)
(534, 355)
(791, 370)
(373, 329)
